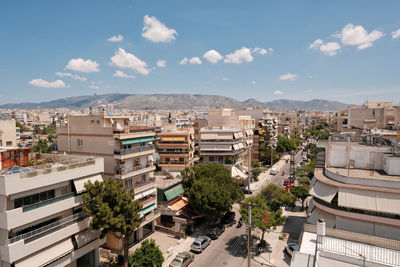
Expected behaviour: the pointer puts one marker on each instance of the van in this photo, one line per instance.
(273, 171)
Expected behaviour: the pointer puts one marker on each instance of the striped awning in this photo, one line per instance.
(139, 140)
(174, 192)
(147, 210)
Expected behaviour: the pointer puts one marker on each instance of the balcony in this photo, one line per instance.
(134, 151)
(133, 132)
(144, 186)
(123, 173)
(231, 152)
(31, 242)
(47, 202)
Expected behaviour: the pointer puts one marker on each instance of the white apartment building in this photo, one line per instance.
(8, 131)
(357, 189)
(41, 218)
(127, 148)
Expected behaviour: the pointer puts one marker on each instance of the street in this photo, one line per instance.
(230, 248)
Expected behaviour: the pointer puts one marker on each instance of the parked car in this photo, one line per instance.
(246, 191)
(286, 182)
(183, 259)
(273, 171)
(228, 217)
(216, 230)
(200, 243)
(291, 247)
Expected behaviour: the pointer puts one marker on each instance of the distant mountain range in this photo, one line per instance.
(176, 101)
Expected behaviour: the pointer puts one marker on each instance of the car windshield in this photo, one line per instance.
(176, 262)
(196, 244)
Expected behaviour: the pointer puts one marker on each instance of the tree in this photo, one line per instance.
(261, 217)
(42, 146)
(148, 255)
(285, 144)
(276, 197)
(256, 172)
(301, 192)
(114, 210)
(211, 189)
(22, 127)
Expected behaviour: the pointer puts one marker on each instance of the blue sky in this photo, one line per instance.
(337, 50)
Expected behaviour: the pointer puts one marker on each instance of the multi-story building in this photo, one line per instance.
(175, 147)
(356, 188)
(288, 122)
(127, 149)
(41, 218)
(7, 131)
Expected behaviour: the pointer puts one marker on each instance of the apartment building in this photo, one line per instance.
(41, 220)
(7, 131)
(127, 149)
(175, 147)
(288, 121)
(356, 188)
(380, 115)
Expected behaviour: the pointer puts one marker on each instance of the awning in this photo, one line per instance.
(47, 255)
(323, 191)
(369, 200)
(174, 192)
(177, 206)
(241, 145)
(216, 147)
(173, 139)
(317, 214)
(132, 141)
(249, 132)
(145, 193)
(235, 146)
(80, 184)
(238, 135)
(147, 210)
(249, 142)
(86, 236)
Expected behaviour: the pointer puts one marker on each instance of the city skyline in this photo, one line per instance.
(299, 51)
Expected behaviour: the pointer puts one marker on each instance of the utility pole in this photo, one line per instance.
(249, 205)
(249, 168)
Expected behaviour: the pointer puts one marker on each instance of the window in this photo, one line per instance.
(80, 142)
(9, 143)
(98, 122)
(143, 177)
(128, 183)
(32, 199)
(92, 121)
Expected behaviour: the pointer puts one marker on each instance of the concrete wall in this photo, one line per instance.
(391, 165)
(7, 132)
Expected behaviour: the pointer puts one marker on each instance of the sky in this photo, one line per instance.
(340, 50)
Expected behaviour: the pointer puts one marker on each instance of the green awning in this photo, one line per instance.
(147, 210)
(174, 192)
(132, 141)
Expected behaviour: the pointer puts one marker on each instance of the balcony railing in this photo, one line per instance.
(52, 227)
(47, 202)
(140, 184)
(173, 152)
(124, 170)
(131, 150)
(129, 130)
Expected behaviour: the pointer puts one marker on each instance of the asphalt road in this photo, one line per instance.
(230, 249)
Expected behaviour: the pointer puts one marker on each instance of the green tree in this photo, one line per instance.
(22, 127)
(42, 146)
(114, 210)
(276, 197)
(256, 172)
(211, 189)
(261, 217)
(285, 144)
(255, 164)
(148, 255)
(301, 192)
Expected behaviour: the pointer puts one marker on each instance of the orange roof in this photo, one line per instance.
(178, 205)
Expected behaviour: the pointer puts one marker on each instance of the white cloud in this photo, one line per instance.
(116, 38)
(183, 61)
(127, 60)
(259, 50)
(288, 77)
(156, 31)
(213, 56)
(330, 48)
(94, 87)
(357, 35)
(225, 79)
(161, 63)
(316, 44)
(73, 76)
(396, 34)
(195, 60)
(240, 55)
(253, 82)
(308, 91)
(46, 84)
(79, 64)
(278, 92)
(121, 74)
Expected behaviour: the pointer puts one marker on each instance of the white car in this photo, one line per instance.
(273, 171)
(291, 247)
(200, 243)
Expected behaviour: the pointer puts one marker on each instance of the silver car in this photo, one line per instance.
(200, 243)
(183, 259)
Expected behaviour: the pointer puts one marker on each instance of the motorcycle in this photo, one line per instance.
(240, 223)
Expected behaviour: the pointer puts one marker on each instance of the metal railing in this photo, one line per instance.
(125, 151)
(173, 152)
(47, 202)
(130, 130)
(124, 170)
(362, 251)
(50, 227)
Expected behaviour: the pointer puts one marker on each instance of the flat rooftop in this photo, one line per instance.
(163, 182)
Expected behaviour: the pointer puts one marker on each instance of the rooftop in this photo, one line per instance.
(163, 182)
